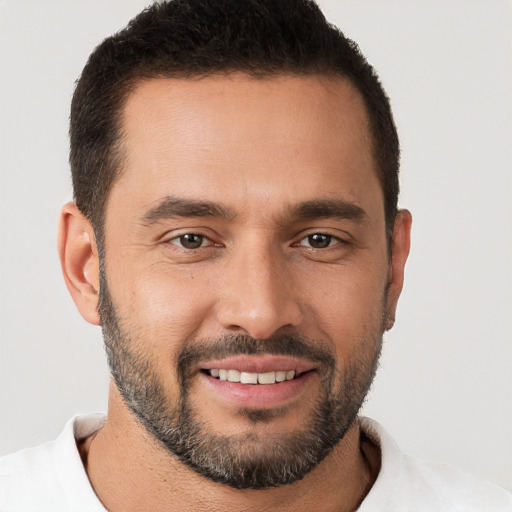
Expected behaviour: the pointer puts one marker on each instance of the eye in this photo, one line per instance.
(190, 241)
(319, 241)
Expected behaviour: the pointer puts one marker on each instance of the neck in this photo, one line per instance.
(130, 471)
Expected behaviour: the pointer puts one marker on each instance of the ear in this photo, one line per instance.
(79, 260)
(400, 246)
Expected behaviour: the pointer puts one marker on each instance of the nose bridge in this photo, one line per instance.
(258, 297)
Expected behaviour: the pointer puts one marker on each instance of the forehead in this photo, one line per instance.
(237, 139)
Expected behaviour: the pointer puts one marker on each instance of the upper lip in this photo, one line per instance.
(259, 364)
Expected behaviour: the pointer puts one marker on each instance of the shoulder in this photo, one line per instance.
(445, 485)
(410, 483)
(50, 476)
(27, 468)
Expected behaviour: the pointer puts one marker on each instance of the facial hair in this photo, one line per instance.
(247, 460)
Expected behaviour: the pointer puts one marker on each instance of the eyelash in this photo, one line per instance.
(178, 238)
(178, 241)
(331, 238)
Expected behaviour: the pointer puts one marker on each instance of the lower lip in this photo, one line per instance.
(259, 396)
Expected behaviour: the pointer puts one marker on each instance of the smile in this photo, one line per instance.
(252, 378)
(261, 381)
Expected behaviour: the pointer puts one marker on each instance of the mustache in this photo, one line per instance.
(299, 346)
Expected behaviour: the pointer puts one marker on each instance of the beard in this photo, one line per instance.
(249, 460)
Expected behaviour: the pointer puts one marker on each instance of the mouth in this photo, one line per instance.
(257, 381)
(265, 378)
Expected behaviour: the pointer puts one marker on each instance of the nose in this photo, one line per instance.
(257, 295)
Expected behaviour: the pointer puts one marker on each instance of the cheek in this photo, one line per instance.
(348, 306)
(163, 306)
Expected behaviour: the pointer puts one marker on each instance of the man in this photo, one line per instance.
(235, 232)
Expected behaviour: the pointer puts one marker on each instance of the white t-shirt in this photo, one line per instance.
(51, 478)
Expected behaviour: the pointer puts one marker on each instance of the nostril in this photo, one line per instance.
(258, 312)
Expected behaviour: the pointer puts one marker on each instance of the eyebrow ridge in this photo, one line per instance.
(328, 208)
(172, 206)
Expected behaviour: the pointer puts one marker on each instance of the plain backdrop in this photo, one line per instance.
(444, 386)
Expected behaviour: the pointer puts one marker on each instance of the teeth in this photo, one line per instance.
(280, 376)
(267, 378)
(249, 378)
(252, 378)
(233, 376)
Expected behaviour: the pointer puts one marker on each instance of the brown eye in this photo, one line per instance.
(318, 241)
(190, 241)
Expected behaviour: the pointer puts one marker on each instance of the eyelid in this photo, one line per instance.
(332, 243)
(172, 238)
(342, 238)
(204, 237)
(178, 232)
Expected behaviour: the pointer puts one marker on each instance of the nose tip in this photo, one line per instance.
(258, 299)
(259, 320)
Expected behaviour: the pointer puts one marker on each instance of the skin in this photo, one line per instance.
(258, 148)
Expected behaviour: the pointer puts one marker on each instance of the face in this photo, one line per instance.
(244, 288)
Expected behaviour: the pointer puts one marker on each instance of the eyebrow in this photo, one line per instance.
(338, 209)
(171, 207)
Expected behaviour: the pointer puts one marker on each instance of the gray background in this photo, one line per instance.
(444, 387)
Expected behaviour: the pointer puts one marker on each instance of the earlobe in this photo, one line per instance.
(401, 244)
(79, 261)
